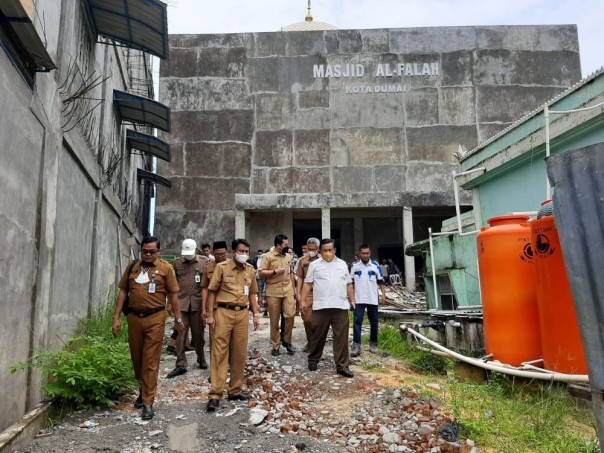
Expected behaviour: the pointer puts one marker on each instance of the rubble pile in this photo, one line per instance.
(354, 414)
(400, 297)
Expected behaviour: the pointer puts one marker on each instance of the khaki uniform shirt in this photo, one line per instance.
(277, 285)
(302, 270)
(160, 272)
(229, 281)
(190, 290)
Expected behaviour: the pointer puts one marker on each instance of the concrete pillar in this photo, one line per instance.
(408, 240)
(358, 232)
(240, 224)
(325, 223)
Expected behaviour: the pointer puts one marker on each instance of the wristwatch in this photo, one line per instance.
(179, 321)
(274, 271)
(255, 315)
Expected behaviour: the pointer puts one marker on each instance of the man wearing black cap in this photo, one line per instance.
(232, 293)
(220, 256)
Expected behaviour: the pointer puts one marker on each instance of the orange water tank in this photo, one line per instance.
(560, 338)
(507, 287)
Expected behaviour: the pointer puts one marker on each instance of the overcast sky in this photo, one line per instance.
(232, 16)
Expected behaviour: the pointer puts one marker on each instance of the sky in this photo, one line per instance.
(236, 16)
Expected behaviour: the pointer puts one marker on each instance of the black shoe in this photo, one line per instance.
(176, 372)
(240, 397)
(147, 413)
(139, 400)
(312, 366)
(290, 349)
(275, 352)
(346, 373)
(212, 405)
(203, 365)
(306, 348)
(189, 349)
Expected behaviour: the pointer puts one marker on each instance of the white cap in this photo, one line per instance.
(188, 247)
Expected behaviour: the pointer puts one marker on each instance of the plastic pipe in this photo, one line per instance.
(433, 268)
(505, 369)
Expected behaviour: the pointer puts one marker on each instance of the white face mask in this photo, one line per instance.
(242, 258)
(189, 257)
(142, 278)
(312, 254)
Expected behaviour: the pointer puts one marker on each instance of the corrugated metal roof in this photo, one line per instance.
(148, 144)
(138, 24)
(141, 110)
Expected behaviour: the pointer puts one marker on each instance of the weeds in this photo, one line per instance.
(92, 369)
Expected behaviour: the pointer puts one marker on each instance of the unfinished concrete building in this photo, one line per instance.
(350, 134)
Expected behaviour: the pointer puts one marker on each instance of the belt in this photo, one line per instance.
(144, 314)
(232, 307)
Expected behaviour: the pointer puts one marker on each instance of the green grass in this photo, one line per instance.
(509, 416)
(92, 368)
(504, 414)
(374, 368)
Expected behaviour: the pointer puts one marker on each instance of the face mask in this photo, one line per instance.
(242, 258)
(142, 278)
(285, 250)
(312, 254)
(328, 256)
(189, 257)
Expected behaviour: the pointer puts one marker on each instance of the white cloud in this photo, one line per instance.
(235, 16)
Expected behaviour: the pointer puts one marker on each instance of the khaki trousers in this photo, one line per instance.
(192, 319)
(145, 337)
(276, 306)
(321, 321)
(229, 350)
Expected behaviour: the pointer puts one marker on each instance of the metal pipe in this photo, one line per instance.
(456, 194)
(548, 188)
(505, 369)
(433, 268)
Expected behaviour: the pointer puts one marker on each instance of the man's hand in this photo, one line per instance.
(210, 321)
(179, 327)
(204, 317)
(256, 323)
(117, 326)
(170, 310)
(281, 270)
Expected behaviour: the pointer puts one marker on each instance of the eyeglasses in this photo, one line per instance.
(149, 252)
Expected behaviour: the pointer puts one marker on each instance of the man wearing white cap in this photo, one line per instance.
(189, 269)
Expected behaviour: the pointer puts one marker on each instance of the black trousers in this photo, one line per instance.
(337, 319)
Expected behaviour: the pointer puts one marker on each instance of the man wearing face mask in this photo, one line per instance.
(232, 291)
(328, 279)
(311, 254)
(147, 283)
(189, 269)
(276, 269)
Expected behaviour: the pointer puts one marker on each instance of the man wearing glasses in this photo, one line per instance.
(147, 283)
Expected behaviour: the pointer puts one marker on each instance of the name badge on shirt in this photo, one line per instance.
(151, 288)
(197, 279)
(246, 290)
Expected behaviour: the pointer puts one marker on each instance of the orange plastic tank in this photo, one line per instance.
(508, 290)
(560, 337)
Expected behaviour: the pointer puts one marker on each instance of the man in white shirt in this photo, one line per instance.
(366, 274)
(333, 295)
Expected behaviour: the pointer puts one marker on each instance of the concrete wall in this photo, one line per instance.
(256, 115)
(59, 212)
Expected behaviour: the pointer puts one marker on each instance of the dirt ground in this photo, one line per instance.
(303, 411)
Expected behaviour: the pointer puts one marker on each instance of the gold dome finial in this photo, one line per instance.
(308, 17)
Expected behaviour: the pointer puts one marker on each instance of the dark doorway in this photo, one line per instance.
(397, 253)
(304, 229)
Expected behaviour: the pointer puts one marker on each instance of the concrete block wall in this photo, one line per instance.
(250, 117)
(63, 230)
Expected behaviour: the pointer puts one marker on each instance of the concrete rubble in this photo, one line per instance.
(292, 409)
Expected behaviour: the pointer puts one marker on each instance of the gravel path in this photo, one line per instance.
(293, 409)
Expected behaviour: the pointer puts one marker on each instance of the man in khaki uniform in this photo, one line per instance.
(276, 269)
(312, 254)
(147, 283)
(233, 290)
(220, 256)
(188, 270)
